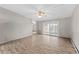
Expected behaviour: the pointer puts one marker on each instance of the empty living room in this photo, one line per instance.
(39, 28)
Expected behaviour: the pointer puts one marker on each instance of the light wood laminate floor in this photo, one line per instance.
(38, 44)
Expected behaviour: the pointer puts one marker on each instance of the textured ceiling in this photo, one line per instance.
(53, 11)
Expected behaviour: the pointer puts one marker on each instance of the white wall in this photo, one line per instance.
(13, 26)
(75, 27)
(64, 26)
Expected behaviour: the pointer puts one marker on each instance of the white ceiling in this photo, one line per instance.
(53, 11)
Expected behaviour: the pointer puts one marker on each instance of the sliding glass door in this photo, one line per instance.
(45, 28)
(54, 29)
(51, 28)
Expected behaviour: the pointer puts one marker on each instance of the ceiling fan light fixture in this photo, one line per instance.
(40, 14)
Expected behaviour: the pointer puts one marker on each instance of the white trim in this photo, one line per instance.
(30, 34)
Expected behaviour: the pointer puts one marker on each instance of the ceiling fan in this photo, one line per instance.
(41, 13)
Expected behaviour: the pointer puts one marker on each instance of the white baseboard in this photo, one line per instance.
(25, 35)
(17, 38)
